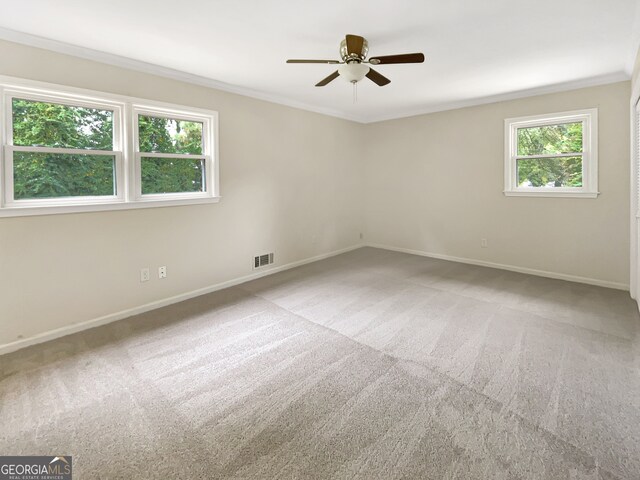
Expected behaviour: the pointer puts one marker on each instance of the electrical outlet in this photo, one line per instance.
(483, 243)
(144, 275)
(162, 272)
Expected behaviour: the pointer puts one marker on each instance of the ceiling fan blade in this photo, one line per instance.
(404, 58)
(330, 78)
(354, 44)
(313, 61)
(377, 78)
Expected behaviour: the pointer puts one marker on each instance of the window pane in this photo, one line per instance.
(172, 175)
(40, 124)
(167, 135)
(550, 139)
(550, 172)
(46, 175)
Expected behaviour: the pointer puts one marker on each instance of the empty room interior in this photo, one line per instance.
(331, 240)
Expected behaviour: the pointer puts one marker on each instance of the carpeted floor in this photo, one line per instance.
(369, 365)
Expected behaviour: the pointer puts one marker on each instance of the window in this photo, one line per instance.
(552, 155)
(60, 153)
(66, 151)
(172, 157)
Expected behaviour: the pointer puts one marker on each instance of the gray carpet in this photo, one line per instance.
(368, 365)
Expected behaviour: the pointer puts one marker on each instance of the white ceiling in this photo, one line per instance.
(476, 51)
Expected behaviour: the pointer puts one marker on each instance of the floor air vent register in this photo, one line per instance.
(262, 260)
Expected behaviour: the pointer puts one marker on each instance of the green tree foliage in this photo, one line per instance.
(49, 175)
(44, 175)
(550, 140)
(166, 135)
(168, 175)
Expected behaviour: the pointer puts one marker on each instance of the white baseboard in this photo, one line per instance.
(512, 268)
(96, 322)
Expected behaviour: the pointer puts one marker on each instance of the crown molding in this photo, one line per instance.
(635, 42)
(153, 69)
(166, 72)
(531, 92)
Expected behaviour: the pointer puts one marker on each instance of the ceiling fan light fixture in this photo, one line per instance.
(355, 66)
(353, 72)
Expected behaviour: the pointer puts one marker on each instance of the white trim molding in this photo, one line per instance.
(635, 43)
(127, 185)
(634, 258)
(113, 317)
(209, 124)
(502, 266)
(160, 71)
(588, 155)
(165, 72)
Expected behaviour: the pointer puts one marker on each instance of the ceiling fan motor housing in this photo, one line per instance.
(353, 56)
(354, 65)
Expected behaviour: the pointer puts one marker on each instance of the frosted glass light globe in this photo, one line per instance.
(353, 72)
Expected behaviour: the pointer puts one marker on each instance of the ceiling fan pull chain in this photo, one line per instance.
(355, 92)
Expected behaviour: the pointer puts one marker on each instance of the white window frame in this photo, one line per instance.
(125, 145)
(589, 154)
(207, 142)
(9, 148)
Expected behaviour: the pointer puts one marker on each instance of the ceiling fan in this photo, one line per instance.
(353, 67)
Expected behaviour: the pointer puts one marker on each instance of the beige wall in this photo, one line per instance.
(636, 71)
(290, 182)
(434, 184)
(303, 184)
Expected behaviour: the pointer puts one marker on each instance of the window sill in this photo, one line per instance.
(562, 194)
(27, 211)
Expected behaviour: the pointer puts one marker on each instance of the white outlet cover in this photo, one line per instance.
(144, 275)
